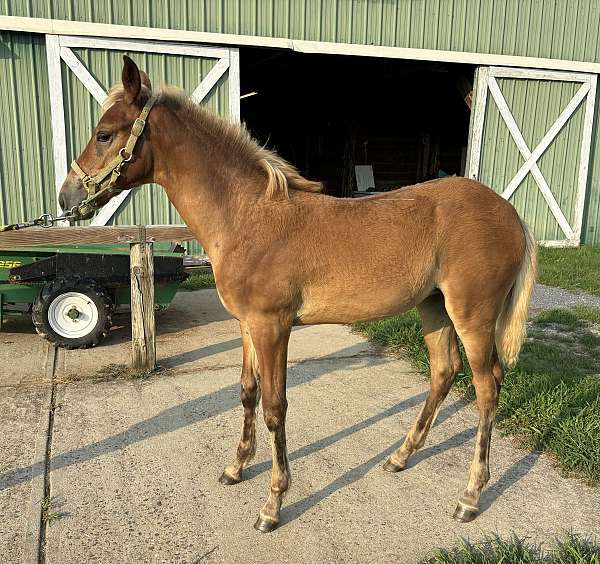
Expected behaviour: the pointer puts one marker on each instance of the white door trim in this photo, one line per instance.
(486, 81)
(59, 48)
(57, 113)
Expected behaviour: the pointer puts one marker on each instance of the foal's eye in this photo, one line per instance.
(103, 137)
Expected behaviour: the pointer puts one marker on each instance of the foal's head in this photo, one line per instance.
(122, 108)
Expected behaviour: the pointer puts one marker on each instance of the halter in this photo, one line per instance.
(97, 186)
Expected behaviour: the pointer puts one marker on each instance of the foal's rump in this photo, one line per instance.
(487, 261)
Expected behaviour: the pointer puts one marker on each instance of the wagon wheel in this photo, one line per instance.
(72, 312)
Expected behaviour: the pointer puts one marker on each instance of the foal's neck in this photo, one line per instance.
(212, 190)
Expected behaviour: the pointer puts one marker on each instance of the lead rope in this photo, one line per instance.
(45, 220)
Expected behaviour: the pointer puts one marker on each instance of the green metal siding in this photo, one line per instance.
(26, 158)
(561, 29)
(26, 166)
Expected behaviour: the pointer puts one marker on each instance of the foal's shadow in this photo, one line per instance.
(489, 496)
(193, 411)
(510, 477)
(295, 510)
(325, 442)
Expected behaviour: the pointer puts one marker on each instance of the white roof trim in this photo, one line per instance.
(65, 27)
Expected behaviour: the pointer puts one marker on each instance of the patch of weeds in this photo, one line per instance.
(572, 549)
(573, 269)
(565, 317)
(198, 281)
(403, 335)
(51, 511)
(590, 340)
(588, 313)
(550, 399)
(576, 549)
(112, 372)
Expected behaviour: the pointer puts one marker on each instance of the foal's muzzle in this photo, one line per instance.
(72, 193)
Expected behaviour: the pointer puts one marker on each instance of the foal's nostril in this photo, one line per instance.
(61, 202)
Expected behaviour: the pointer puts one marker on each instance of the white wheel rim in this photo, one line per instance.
(77, 304)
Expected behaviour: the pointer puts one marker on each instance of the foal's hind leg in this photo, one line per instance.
(487, 378)
(445, 363)
(250, 394)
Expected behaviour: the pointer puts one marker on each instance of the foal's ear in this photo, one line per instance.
(132, 81)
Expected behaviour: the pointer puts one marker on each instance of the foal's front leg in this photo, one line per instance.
(250, 395)
(271, 341)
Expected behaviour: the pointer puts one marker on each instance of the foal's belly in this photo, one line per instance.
(349, 305)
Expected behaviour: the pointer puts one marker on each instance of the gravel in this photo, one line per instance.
(549, 297)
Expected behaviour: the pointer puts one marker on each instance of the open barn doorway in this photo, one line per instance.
(358, 124)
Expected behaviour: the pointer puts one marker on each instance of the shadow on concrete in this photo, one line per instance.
(295, 510)
(510, 477)
(16, 325)
(298, 508)
(448, 444)
(325, 442)
(199, 353)
(192, 411)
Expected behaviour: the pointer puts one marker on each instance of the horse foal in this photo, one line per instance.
(284, 254)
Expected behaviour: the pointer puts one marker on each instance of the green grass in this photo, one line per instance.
(573, 269)
(572, 549)
(199, 281)
(550, 399)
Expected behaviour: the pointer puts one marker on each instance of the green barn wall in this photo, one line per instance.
(561, 29)
(26, 162)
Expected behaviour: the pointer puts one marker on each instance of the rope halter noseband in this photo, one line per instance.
(100, 184)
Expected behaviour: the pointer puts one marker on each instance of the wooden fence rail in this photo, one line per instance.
(33, 236)
(140, 239)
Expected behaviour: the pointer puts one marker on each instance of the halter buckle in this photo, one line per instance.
(121, 153)
(138, 127)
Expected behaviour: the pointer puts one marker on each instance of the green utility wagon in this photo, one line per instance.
(72, 291)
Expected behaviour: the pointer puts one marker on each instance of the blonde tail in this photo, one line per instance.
(510, 327)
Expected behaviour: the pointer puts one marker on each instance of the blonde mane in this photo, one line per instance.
(281, 175)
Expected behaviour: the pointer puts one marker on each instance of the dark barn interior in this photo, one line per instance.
(327, 114)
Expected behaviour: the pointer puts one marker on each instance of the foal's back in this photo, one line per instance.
(381, 254)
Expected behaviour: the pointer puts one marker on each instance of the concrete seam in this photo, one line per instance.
(39, 460)
(47, 491)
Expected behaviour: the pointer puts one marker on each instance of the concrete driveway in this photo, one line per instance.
(131, 466)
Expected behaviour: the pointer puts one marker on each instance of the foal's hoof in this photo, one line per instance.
(265, 525)
(228, 480)
(390, 466)
(465, 513)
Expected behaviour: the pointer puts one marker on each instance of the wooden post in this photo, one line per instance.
(142, 304)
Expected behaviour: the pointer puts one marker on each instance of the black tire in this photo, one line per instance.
(99, 301)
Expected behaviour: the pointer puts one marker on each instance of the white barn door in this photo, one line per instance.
(530, 141)
(62, 49)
